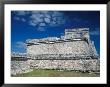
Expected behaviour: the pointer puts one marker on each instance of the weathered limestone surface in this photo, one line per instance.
(81, 65)
(18, 67)
(76, 47)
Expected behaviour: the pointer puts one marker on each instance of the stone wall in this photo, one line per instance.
(75, 47)
(18, 67)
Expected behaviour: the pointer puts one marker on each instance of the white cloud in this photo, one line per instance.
(47, 16)
(20, 44)
(35, 16)
(19, 47)
(42, 24)
(17, 18)
(39, 19)
(32, 23)
(22, 19)
(47, 20)
(42, 19)
(40, 28)
(35, 19)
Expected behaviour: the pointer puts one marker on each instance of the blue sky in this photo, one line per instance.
(41, 24)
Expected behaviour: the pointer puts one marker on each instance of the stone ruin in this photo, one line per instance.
(73, 51)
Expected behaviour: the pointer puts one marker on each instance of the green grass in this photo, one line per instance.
(56, 73)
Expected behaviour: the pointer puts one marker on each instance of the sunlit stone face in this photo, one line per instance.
(77, 47)
(75, 42)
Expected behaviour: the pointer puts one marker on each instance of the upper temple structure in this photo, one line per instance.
(75, 43)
